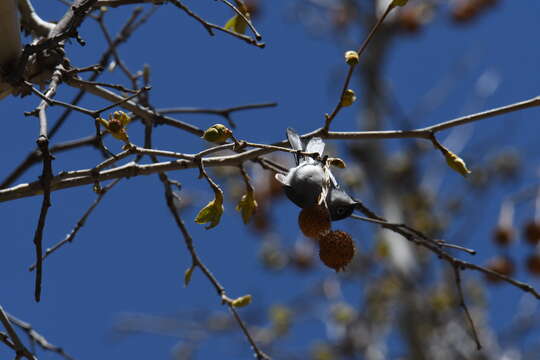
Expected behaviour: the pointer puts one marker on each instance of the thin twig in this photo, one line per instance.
(4, 337)
(339, 105)
(436, 249)
(38, 338)
(246, 38)
(116, 3)
(69, 237)
(114, 52)
(19, 347)
(414, 231)
(51, 102)
(203, 174)
(35, 157)
(99, 136)
(38, 235)
(92, 113)
(122, 155)
(209, 26)
(225, 113)
(112, 86)
(426, 132)
(246, 178)
(279, 148)
(222, 112)
(260, 355)
(169, 197)
(144, 151)
(271, 165)
(245, 18)
(463, 305)
(122, 101)
(140, 111)
(533, 102)
(214, 149)
(90, 68)
(46, 177)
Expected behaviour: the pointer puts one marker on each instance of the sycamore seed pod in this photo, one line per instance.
(532, 232)
(336, 249)
(533, 264)
(314, 221)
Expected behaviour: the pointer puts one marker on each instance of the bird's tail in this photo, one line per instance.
(296, 143)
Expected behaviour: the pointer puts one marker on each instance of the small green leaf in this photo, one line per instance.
(247, 206)
(241, 301)
(212, 212)
(236, 24)
(187, 275)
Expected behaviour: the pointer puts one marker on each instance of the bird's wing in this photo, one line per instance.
(282, 179)
(296, 143)
(315, 145)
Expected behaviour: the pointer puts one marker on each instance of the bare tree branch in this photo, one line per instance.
(209, 26)
(20, 349)
(25, 190)
(38, 338)
(225, 113)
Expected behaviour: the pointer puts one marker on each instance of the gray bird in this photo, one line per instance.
(303, 184)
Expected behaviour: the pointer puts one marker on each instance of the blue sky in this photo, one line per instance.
(130, 258)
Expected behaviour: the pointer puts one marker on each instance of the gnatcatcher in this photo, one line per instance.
(304, 183)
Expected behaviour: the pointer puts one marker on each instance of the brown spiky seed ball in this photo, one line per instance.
(336, 249)
(503, 235)
(314, 221)
(502, 265)
(532, 232)
(533, 264)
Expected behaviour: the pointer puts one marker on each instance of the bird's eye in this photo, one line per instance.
(341, 210)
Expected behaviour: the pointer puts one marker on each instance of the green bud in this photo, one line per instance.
(348, 98)
(399, 2)
(351, 57)
(212, 212)
(187, 275)
(217, 133)
(241, 301)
